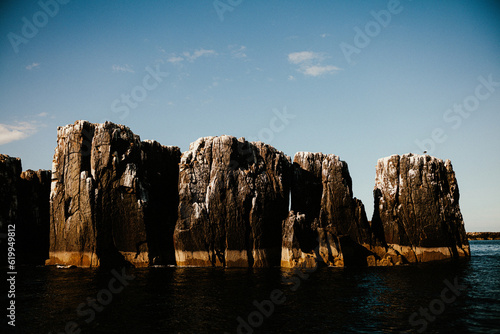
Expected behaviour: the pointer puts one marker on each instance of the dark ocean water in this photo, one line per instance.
(211, 300)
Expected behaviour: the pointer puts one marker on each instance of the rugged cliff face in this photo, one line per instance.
(233, 198)
(327, 224)
(416, 204)
(117, 200)
(24, 203)
(113, 198)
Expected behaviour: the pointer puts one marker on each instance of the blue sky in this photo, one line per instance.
(359, 79)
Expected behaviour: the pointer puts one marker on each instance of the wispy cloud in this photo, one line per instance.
(175, 59)
(324, 35)
(119, 68)
(10, 133)
(33, 66)
(198, 53)
(190, 57)
(304, 56)
(310, 63)
(316, 70)
(238, 51)
(43, 114)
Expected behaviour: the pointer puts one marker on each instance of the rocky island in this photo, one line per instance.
(483, 235)
(114, 199)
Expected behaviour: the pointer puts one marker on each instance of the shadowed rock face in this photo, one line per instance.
(24, 203)
(34, 216)
(416, 205)
(327, 224)
(113, 198)
(233, 198)
(10, 170)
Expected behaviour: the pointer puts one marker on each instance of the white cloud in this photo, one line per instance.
(199, 53)
(316, 70)
(175, 59)
(304, 56)
(310, 63)
(33, 66)
(126, 68)
(10, 133)
(291, 78)
(324, 35)
(43, 114)
(238, 51)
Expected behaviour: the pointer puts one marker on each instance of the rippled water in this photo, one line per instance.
(210, 300)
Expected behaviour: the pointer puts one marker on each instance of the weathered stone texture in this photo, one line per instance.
(101, 209)
(330, 225)
(233, 197)
(416, 204)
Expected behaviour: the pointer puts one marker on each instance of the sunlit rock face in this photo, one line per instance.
(416, 205)
(24, 210)
(113, 198)
(327, 224)
(233, 196)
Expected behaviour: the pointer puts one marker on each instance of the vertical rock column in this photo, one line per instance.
(233, 197)
(34, 216)
(24, 204)
(107, 202)
(10, 169)
(327, 223)
(416, 205)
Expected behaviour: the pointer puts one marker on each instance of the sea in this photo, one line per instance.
(460, 296)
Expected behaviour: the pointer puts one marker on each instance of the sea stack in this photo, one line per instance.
(24, 210)
(113, 198)
(233, 196)
(327, 224)
(417, 206)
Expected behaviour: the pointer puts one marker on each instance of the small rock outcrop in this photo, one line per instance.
(24, 206)
(483, 235)
(327, 224)
(416, 205)
(113, 198)
(233, 196)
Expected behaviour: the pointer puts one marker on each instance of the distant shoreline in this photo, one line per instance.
(483, 235)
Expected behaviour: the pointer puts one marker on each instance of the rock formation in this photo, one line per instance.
(233, 196)
(416, 205)
(327, 224)
(34, 216)
(117, 200)
(24, 203)
(483, 235)
(113, 198)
